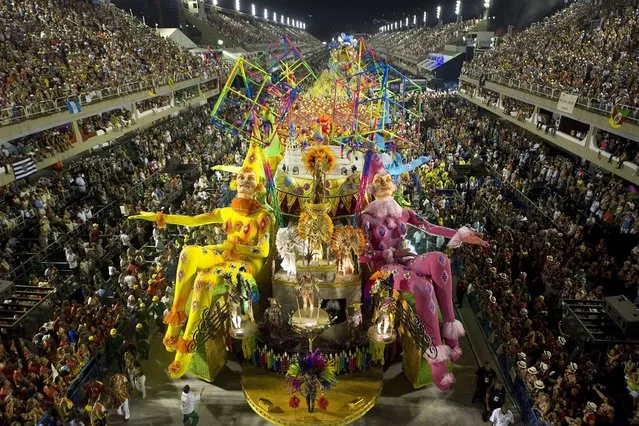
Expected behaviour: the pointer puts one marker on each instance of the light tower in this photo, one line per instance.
(458, 10)
(265, 14)
(237, 5)
(252, 9)
(439, 15)
(486, 6)
(425, 18)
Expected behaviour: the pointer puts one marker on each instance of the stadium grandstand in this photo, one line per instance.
(521, 143)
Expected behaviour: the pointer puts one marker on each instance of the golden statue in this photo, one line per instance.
(315, 225)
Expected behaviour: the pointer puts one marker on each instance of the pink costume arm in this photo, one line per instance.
(428, 227)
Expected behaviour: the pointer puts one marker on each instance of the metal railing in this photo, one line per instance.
(583, 102)
(19, 113)
(519, 390)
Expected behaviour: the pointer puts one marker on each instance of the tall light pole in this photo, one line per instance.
(237, 5)
(414, 20)
(265, 14)
(439, 15)
(252, 9)
(425, 18)
(275, 16)
(458, 10)
(486, 6)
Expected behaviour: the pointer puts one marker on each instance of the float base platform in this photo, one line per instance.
(354, 395)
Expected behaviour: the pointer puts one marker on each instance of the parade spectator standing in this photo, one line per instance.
(188, 400)
(502, 416)
(484, 376)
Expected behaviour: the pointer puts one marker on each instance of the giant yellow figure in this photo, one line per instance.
(201, 268)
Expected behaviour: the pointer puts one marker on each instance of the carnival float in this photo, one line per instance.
(316, 283)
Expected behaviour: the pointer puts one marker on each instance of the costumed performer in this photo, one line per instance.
(386, 224)
(201, 268)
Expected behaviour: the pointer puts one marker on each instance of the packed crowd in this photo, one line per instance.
(565, 244)
(588, 48)
(253, 33)
(110, 271)
(39, 145)
(418, 42)
(76, 46)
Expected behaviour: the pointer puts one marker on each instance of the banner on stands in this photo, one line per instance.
(567, 102)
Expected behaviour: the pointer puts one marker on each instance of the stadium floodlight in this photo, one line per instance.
(439, 12)
(237, 5)
(252, 9)
(414, 19)
(458, 7)
(220, 42)
(265, 13)
(282, 19)
(304, 26)
(395, 24)
(288, 21)
(486, 4)
(407, 22)
(401, 23)
(425, 16)
(275, 16)
(214, 2)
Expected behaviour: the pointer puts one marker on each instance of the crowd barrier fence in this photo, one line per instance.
(590, 104)
(517, 387)
(18, 113)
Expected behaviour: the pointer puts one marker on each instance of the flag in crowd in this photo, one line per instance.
(617, 116)
(74, 107)
(24, 168)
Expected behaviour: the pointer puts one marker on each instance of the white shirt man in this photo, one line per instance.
(112, 271)
(124, 239)
(187, 405)
(502, 417)
(130, 281)
(80, 182)
(72, 259)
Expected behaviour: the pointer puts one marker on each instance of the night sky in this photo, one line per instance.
(325, 18)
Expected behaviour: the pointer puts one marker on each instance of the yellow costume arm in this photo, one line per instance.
(176, 219)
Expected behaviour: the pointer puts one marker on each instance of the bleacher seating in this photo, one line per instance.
(589, 49)
(257, 34)
(77, 48)
(416, 43)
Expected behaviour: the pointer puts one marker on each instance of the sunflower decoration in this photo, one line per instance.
(317, 155)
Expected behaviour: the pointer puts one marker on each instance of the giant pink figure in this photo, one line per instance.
(427, 276)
